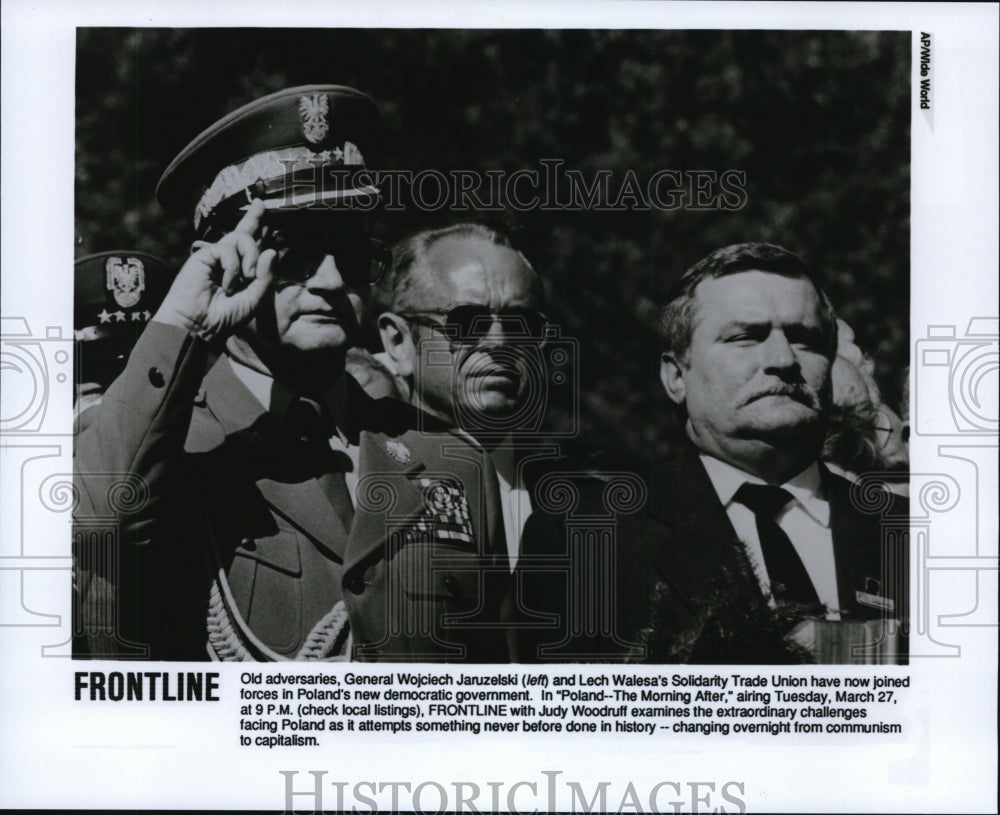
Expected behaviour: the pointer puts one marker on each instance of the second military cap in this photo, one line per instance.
(300, 147)
(116, 294)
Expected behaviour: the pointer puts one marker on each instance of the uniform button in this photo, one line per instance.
(249, 544)
(156, 378)
(451, 584)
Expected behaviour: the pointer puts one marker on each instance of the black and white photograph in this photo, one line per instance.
(612, 378)
(607, 286)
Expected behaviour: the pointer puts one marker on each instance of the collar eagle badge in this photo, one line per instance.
(398, 451)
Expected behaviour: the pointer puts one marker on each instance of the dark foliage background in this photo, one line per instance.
(819, 121)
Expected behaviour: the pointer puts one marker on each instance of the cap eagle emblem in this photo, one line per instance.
(125, 279)
(313, 110)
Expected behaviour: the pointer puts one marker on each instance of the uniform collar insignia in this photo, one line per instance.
(398, 451)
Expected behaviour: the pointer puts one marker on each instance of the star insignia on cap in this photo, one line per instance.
(120, 316)
(398, 451)
(104, 317)
(136, 316)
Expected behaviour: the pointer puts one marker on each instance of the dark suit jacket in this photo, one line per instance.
(679, 586)
(230, 539)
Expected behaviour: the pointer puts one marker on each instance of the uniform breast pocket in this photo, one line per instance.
(449, 576)
(265, 580)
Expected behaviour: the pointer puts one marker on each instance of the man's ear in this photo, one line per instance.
(398, 342)
(672, 377)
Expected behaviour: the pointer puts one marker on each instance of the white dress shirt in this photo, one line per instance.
(805, 519)
(515, 501)
(514, 498)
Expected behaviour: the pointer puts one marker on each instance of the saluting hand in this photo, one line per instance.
(220, 286)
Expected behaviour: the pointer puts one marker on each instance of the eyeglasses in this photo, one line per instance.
(360, 261)
(473, 323)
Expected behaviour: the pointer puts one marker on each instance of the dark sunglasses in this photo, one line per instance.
(473, 323)
(360, 260)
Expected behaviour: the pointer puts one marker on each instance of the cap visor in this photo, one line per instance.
(362, 198)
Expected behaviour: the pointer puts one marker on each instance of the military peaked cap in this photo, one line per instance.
(116, 294)
(297, 148)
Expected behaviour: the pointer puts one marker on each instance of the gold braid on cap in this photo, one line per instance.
(268, 166)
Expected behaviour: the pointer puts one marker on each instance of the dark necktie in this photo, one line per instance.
(789, 580)
(493, 499)
(314, 427)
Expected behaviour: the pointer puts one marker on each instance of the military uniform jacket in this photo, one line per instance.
(680, 587)
(227, 546)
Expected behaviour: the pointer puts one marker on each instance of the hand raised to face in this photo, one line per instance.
(221, 285)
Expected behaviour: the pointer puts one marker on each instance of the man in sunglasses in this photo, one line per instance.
(277, 506)
(463, 325)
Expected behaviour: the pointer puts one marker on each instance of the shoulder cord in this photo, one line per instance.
(227, 638)
(222, 637)
(327, 638)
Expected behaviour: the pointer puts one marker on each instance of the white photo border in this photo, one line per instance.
(60, 754)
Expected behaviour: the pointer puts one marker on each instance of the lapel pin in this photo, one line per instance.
(874, 601)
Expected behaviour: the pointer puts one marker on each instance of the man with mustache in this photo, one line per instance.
(279, 512)
(750, 338)
(749, 549)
